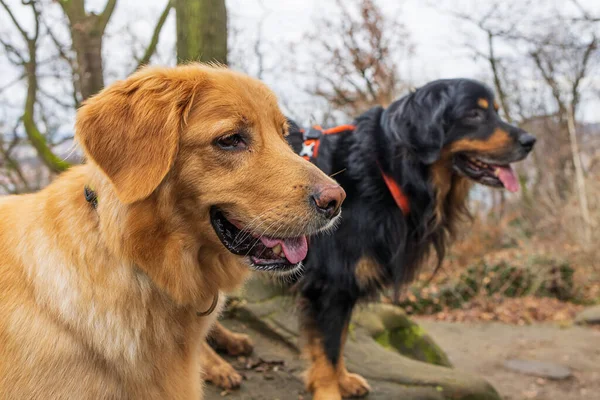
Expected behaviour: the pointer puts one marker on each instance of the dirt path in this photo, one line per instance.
(478, 348)
(268, 382)
(481, 348)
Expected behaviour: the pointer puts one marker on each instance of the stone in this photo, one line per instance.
(538, 368)
(393, 329)
(379, 338)
(589, 316)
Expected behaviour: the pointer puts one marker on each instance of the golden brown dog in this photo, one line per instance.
(189, 183)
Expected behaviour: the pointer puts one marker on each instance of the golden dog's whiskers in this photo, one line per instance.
(256, 242)
(337, 173)
(247, 231)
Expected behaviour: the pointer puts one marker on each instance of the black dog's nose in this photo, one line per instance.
(328, 199)
(527, 141)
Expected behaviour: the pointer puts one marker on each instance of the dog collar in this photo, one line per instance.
(310, 151)
(90, 196)
(211, 308)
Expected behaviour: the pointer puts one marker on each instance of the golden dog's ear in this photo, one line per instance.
(131, 130)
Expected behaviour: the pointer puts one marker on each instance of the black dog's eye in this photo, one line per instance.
(474, 114)
(232, 142)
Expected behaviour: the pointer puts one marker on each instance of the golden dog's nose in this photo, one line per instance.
(328, 199)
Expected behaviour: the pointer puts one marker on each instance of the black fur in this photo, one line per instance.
(404, 140)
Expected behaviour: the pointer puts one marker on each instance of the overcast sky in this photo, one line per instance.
(436, 35)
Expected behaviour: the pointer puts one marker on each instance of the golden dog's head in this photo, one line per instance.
(197, 157)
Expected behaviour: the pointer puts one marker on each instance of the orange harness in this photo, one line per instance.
(310, 150)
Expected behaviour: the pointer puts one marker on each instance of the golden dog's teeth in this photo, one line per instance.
(277, 249)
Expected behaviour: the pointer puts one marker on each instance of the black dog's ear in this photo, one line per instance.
(295, 137)
(418, 123)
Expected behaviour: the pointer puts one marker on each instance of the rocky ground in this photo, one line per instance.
(490, 360)
(485, 348)
(274, 370)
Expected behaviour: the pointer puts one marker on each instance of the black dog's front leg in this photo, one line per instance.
(327, 314)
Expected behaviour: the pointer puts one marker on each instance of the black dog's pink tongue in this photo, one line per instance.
(508, 177)
(295, 249)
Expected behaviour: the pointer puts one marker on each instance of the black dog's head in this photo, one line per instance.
(457, 121)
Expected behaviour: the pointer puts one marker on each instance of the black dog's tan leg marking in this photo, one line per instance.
(218, 371)
(322, 377)
(235, 344)
(331, 382)
(351, 385)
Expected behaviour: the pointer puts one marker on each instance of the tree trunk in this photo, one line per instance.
(580, 179)
(201, 30)
(87, 44)
(87, 31)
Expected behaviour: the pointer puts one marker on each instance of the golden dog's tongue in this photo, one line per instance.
(295, 249)
(508, 178)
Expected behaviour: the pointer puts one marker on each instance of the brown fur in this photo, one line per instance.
(102, 302)
(235, 344)
(499, 140)
(322, 378)
(327, 381)
(450, 194)
(368, 273)
(483, 103)
(216, 369)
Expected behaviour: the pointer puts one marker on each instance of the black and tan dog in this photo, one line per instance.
(407, 171)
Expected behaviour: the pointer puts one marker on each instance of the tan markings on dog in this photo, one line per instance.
(498, 140)
(322, 377)
(351, 385)
(326, 381)
(235, 344)
(451, 191)
(368, 272)
(483, 103)
(496, 106)
(102, 301)
(218, 371)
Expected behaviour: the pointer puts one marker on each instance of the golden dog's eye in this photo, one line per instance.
(232, 142)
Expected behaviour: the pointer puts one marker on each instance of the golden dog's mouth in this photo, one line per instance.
(264, 253)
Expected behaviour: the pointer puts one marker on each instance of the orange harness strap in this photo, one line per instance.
(399, 196)
(396, 192)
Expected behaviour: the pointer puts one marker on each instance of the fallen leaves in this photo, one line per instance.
(518, 311)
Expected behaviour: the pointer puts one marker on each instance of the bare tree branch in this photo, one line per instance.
(581, 73)
(587, 17)
(12, 165)
(15, 21)
(10, 49)
(151, 49)
(104, 17)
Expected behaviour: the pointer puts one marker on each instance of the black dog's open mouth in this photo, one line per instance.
(265, 253)
(486, 172)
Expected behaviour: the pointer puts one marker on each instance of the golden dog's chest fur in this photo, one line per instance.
(84, 317)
